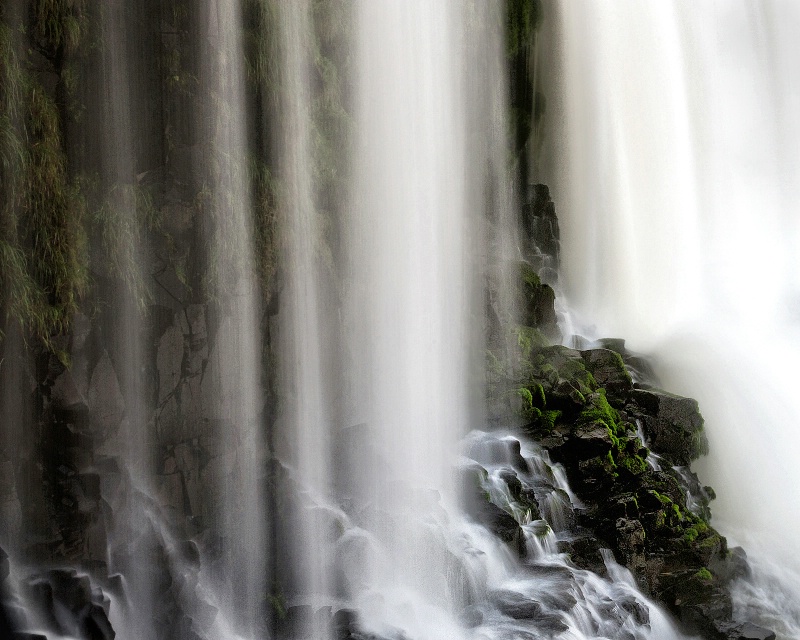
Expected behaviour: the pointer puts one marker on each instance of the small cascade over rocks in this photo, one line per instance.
(545, 594)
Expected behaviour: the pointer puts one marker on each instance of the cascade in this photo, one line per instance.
(678, 194)
(309, 390)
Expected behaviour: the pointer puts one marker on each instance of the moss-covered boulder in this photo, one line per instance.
(608, 369)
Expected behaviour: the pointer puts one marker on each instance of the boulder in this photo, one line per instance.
(516, 605)
(750, 631)
(536, 303)
(499, 451)
(587, 441)
(610, 373)
(673, 425)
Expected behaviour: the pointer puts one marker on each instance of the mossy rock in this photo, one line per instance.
(536, 302)
(608, 370)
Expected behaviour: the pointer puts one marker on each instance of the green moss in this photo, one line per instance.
(527, 398)
(676, 510)
(710, 541)
(549, 418)
(635, 464)
(522, 18)
(265, 200)
(529, 340)
(59, 26)
(703, 574)
(529, 276)
(279, 605)
(43, 248)
(598, 410)
(690, 534)
(125, 214)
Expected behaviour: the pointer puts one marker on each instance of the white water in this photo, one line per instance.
(430, 138)
(236, 391)
(304, 429)
(132, 444)
(410, 294)
(672, 146)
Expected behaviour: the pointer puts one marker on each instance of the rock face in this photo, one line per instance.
(641, 500)
(541, 232)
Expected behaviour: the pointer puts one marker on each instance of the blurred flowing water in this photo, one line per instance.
(230, 519)
(675, 166)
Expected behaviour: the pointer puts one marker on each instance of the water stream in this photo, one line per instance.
(678, 202)
(311, 472)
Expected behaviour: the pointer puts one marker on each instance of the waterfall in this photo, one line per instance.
(236, 391)
(410, 294)
(678, 192)
(294, 378)
(306, 426)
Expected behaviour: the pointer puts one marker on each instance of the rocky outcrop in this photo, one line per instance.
(673, 424)
(626, 447)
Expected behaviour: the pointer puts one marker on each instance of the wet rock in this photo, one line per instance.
(471, 617)
(499, 451)
(584, 552)
(5, 566)
(518, 634)
(557, 597)
(346, 627)
(502, 525)
(729, 566)
(193, 324)
(630, 541)
(482, 510)
(749, 631)
(635, 609)
(673, 425)
(552, 624)
(169, 361)
(609, 371)
(67, 604)
(65, 393)
(540, 225)
(513, 483)
(537, 302)
(106, 403)
(522, 607)
(587, 441)
(516, 605)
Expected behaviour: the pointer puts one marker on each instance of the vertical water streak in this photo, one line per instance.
(306, 429)
(126, 295)
(620, 158)
(236, 355)
(678, 189)
(410, 296)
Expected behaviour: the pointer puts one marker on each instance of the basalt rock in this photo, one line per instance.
(673, 424)
(610, 373)
(69, 605)
(540, 225)
(536, 302)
